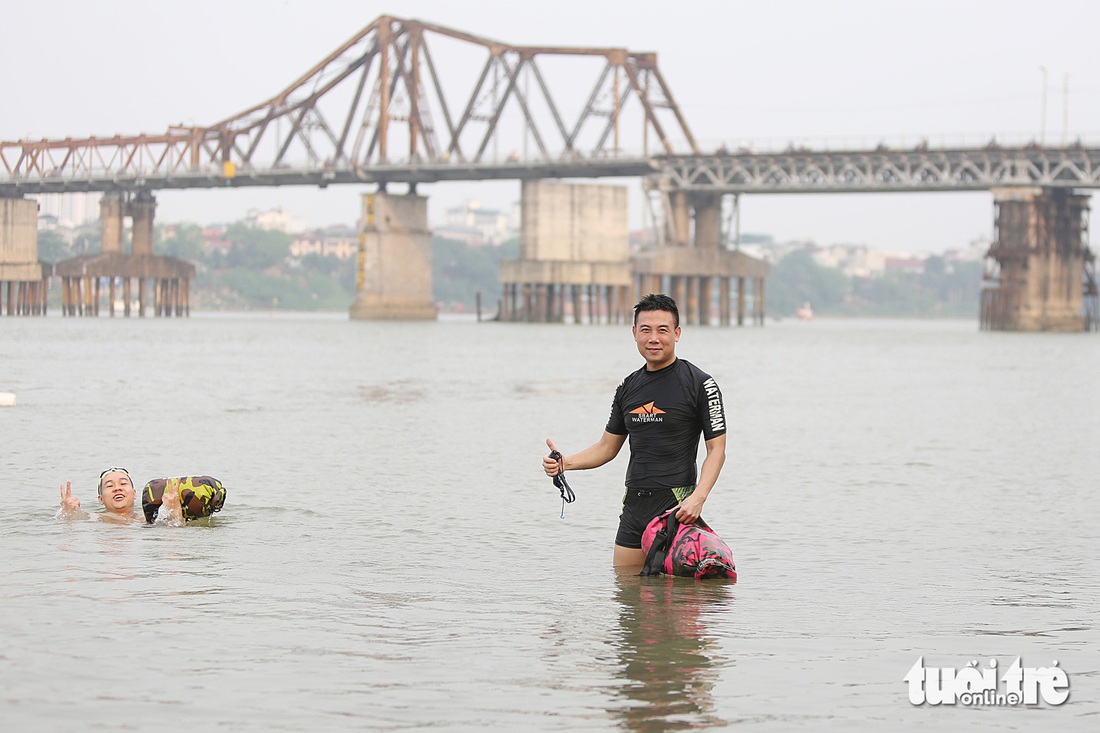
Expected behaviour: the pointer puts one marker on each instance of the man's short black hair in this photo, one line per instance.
(658, 302)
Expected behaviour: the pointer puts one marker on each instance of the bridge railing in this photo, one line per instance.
(863, 142)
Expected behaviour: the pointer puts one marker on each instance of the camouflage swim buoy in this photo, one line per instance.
(200, 496)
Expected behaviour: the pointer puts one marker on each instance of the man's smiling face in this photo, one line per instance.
(656, 334)
(116, 492)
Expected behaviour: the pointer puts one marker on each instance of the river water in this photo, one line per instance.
(391, 556)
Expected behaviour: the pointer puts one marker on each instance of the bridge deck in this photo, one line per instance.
(798, 171)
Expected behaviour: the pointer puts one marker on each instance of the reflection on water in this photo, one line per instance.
(669, 657)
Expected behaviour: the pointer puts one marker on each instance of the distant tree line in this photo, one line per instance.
(253, 269)
(940, 291)
(460, 272)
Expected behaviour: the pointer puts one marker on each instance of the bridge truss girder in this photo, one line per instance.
(384, 98)
(881, 170)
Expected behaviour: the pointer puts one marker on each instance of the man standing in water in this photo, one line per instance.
(663, 407)
(117, 495)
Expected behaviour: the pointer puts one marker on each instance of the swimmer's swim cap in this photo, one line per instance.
(112, 469)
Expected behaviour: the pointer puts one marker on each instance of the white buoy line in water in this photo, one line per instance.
(7, 399)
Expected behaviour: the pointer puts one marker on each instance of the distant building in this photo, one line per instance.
(214, 240)
(899, 262)
(975, 251)
(50, 223)
(854, 260)
(467, 235)
(477, 226)
(275, 220)
(782, 249)
(760, 252)
(339, 242)
(69, 210)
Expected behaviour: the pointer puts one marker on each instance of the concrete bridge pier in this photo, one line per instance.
(679, 217)
(1040, 264)
(574, 256)
(141, 209)
(167, 278)
(112, 215)
(723, 301)
(707, 210)
(113, 210)
(24, 279)
(645, 283)
(394, 270)
(707, 299)
(695, 267)
(83, 277)
(574, 242)
(551, 302)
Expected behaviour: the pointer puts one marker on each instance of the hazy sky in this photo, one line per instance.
(858, 71)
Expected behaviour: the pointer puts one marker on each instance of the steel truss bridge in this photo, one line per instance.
(405, 101)
(884, 170)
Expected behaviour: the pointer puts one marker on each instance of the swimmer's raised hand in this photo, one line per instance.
(171, 491)
(170, 502)
(69, 503)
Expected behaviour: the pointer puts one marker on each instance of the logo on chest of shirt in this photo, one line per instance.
(647, 413)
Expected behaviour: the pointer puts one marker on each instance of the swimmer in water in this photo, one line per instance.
(117, 495)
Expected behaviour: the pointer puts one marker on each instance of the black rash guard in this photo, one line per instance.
(664, 413)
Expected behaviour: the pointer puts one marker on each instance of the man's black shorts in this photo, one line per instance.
(639, 508)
